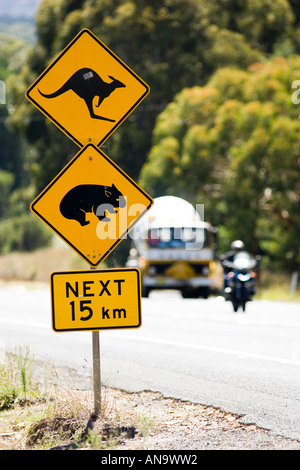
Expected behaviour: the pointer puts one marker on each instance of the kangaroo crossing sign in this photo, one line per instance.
(87, 91)
(92, 204)
(96, 300)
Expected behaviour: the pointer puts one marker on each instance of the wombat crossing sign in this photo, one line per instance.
(92, 204)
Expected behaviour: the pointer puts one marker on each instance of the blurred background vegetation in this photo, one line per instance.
(218, 128)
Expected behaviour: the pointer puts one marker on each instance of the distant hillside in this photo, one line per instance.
(17, 19)
(18, 8)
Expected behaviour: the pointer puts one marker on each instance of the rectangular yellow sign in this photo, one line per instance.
(96, 299)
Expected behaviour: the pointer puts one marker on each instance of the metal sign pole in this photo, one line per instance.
(96, 373)
(96, 369)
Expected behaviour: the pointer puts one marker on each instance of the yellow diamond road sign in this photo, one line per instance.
(87, 91)
(96, 299)
(92, 204)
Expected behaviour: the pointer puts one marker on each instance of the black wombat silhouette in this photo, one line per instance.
(91, 198)
(87, 84)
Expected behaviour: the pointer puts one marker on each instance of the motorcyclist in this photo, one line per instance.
(227, 259)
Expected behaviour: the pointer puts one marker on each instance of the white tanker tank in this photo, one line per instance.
(174, 248)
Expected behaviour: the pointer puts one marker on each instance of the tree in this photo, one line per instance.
(171, 44)
(235, 148)
(11, 156)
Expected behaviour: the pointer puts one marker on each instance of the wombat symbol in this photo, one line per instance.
(91, 198)
(87, 84)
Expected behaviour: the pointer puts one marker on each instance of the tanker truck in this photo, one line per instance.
(174, 249)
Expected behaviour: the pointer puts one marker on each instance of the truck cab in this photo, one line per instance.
(174, 249)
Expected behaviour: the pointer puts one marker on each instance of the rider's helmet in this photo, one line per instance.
(237, 245)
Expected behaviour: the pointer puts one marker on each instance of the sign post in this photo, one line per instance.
(96, 370)
(95, 300)
(87, 92)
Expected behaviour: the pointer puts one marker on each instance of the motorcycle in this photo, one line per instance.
(240, 280)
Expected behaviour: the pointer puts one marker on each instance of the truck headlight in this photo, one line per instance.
(205, 271)
(152, 270)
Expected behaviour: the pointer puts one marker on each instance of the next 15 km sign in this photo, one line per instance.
(96, 300)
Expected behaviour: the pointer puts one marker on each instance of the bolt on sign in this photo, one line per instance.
(96, 299)
(87, 91)
(92, 204)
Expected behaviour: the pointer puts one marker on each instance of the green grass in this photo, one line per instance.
(16, 379)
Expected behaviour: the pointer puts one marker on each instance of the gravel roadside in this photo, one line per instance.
(175, 424)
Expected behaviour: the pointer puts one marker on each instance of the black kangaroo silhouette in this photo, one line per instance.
(87, 84)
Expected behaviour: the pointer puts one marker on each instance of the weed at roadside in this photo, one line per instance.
(16, 379)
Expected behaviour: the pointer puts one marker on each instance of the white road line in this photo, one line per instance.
(235, 352)
(6, 321)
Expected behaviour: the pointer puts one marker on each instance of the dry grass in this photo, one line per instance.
(37, 412)
(64, 421)
(56, 417)
(277, 287)
(130, 421)
(38, 265)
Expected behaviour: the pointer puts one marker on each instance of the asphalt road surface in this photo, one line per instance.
(191, 349)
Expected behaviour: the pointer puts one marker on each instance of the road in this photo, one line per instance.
(191, 349)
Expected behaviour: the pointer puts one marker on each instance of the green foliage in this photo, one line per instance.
(11, 50)
(218, 126)
(23, 233)
(6, 183)
(235, 148)
(16, 378)
(170, 44)
(11, 158)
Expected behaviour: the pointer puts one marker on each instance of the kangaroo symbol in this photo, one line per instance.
(87, 84)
